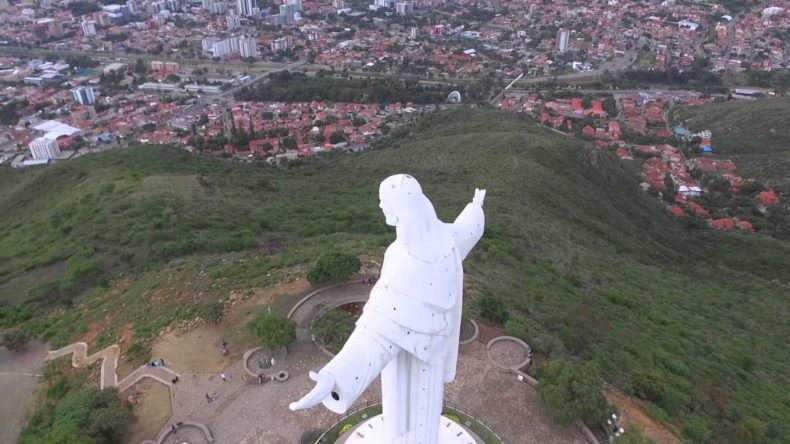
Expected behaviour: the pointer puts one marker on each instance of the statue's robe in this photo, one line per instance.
(409, 332)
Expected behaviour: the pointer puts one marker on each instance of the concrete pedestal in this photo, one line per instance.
(370, 431)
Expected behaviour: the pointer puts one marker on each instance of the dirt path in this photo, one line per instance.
(632, 413)
(109, 357)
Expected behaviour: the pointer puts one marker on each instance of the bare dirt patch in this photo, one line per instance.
(632, 414)
(151, 407)
(200, 350)
(488, 331)
(93, 332)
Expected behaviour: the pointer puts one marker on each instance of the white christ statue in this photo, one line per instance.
(409, 329)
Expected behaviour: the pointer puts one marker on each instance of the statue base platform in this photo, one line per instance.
(371, 430)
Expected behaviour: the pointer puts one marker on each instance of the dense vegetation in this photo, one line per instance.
(298, 87)
(72, 413)
(333, 266)
(590, 269)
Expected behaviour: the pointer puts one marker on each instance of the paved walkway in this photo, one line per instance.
(109, 365)
(248, 413)
(333, 295)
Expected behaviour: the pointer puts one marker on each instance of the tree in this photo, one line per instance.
(110, 424)
(333, 329)
(572, 392)
(273, 331)
(140, 67)
(15, 340)
(337, 137)
(333, 266)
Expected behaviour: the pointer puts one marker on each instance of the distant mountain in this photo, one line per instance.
(590, 267)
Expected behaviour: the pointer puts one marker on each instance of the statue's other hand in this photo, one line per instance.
(324, 382)
(480, 196)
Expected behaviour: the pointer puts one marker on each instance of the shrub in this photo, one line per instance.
(696, 429)
(548, 345)
(15, 340)
(632, 435)
(493, 309)
(273, 331)
(211, 311)
(572, 392)
(333, 266)
(649, 386)
(10, 316)
(517, 329)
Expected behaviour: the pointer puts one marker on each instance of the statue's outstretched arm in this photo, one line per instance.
(322, 389)
(469, 225)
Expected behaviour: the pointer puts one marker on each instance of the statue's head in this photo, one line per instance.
(401, 196)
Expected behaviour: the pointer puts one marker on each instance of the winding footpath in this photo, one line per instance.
(109, 365)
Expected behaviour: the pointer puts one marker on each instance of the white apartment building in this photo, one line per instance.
(233, 21)
(248, 47)
(44, 148)
(83, 95)
(88, 28)
(224, 47)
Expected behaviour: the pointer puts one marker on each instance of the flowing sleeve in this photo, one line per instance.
(468, 228)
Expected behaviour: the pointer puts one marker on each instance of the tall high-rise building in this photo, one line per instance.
(83, 95)
(224, 47)
(297, 4)
(404, 8)
(44, 148)
(131, 6)
(248, 47)
(207, 43)
(206, 4)
(289, 12)
(245, 7)
(233, 21)
(218, 8)
(281, 44)
(562, 40)
(88, 28)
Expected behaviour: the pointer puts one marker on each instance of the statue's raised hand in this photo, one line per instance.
(480, 196)
(324, 382)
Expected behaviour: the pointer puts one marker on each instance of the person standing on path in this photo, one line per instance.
(222, 375)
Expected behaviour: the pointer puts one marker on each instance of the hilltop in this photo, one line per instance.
(693, 322)
(754, 134)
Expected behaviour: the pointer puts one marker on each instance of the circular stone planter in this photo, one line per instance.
(281, 376)
(327, 308)
(475, 333)
(508, 353)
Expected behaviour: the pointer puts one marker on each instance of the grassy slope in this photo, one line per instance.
(571, 244)
(754, 134)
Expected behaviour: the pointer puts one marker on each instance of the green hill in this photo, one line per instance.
(694, 322)
(753, 134)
